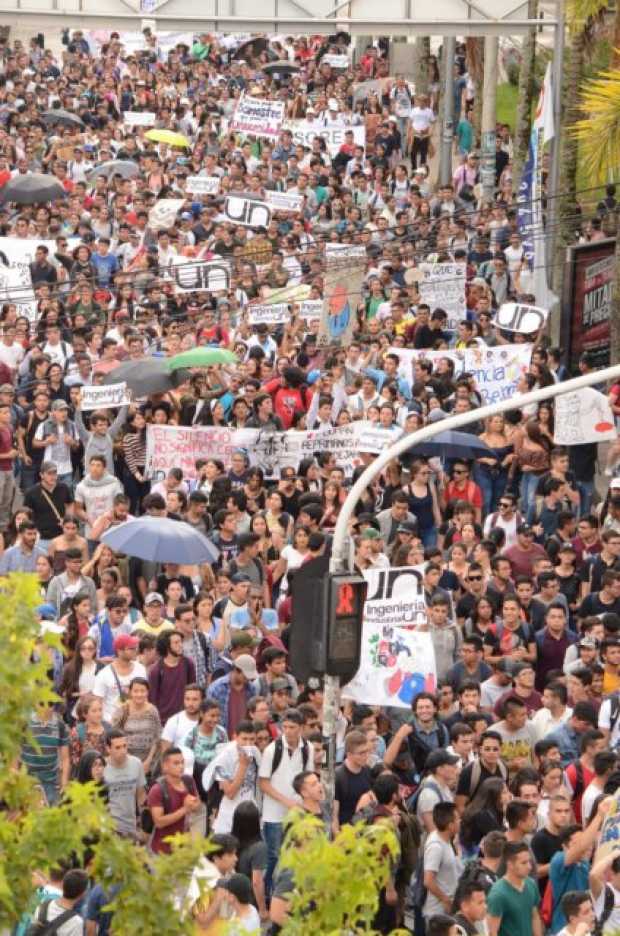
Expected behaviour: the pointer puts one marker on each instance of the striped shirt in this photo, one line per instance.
(42, 761)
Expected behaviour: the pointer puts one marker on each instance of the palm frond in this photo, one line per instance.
(580, 12)
(598, 133)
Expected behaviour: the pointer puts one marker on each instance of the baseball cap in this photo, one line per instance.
(153, 598)
(524, 528)
(239, 886)
(58, 405)
(240, 577)
(520, 666)
(247, 665)
(49, 466)
(590, 643)
(47, 612)
(242, 638)
(441, 759)
(125, 642)
(370, 534)
(279, 683)
(406, 527)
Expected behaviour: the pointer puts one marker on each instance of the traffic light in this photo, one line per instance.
(326, 627)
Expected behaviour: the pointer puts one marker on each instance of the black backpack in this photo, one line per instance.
(146, 817)
(278, 751)
(41, 926)
(608, 906)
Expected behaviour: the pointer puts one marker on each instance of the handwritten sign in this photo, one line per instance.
(105, 397)
(202, 185)
(139, 119)
(336, 61)
(310, 309)
(497, 370)
(407, 358)
(16, 288)
(443, 287)
(340, 252)
(258, 116)
(304, 132)
(583, 416)
(284, 201)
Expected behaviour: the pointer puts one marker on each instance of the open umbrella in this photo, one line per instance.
(253, 47)
(281, 69)
(169, 137)
(159, 539)
(451, 444)
(35, 188)
(125, 168)
(201, 357)
(61, 118)
(150, 375)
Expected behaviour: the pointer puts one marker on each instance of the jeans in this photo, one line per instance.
(7, 496)
(492, 484)
(272, 833)
(66, 479)
(419, 148)
(429, 538)
(529, 483)
(52, 791)
(586, 493)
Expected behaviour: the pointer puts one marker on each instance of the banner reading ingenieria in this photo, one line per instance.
(397, 658)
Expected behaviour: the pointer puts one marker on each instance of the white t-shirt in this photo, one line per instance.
(282, 778)
(73, 927)
(12, 355)
(604, 722)
(422, 118)
(544, 722)
(177, 728)
(591, 792)
(106, 687)
(59, 452)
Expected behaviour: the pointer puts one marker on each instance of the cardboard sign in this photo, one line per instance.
(139, 119)
(341, 252)
(16, 288)
(247, 212)
(164, 212)
(343, 290)
(397, 659)
(304, 132)
(284, 201)
(258, 117)
(443, 287)
(105, 397)
(336, 61)
(524, 319)
(583, 416)
(202, 185)
(310, 309)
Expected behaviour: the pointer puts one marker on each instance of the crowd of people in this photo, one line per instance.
(176, 693)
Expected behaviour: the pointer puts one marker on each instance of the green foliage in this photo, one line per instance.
(337, 883)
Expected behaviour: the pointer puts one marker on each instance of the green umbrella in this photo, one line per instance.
(201, 357)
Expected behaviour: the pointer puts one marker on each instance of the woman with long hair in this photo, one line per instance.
(482, 618)
(134, 453)
(90, 770)
(485, 813)
(423, 502)
(140, 722)
(491, 470)
(252, 854)
(78, 675)
(532, 448)
(76, 623)
(90, 730)
(332, 504)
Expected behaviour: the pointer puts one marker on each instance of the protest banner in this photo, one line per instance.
(297, 293)
(364, 89)
(276, 314)
(104, 396)
(310, 309)
(339, 252)
(304, 132)
(343, 292)
(408, 356)
(195, 275)
(583, 416)
(163, 213)
(336, 61)
(497, 370)
(170, 446)
(609, 836)
(139, 118)
(202, 185)
(284, 201)
(517, 317)
(443, 287)
(258, 116)
(22, 249)
(16, 288)
(397, 657)
(246, 211)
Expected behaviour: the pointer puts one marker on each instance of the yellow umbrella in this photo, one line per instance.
(169, 137)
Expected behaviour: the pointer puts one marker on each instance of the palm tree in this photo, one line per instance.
(526, 94)
(598, 135)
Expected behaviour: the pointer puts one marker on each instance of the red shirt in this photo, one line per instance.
(6, 444)
(176, 799)
(571, 776)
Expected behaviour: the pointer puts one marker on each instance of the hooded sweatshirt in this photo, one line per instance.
(97, 497)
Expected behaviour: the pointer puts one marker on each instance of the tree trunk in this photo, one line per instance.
(614, 318)
(421, 56)
(526, 94)
(475, 67)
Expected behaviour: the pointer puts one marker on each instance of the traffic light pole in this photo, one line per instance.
(339, 558)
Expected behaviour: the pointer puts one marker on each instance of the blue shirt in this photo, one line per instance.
(565, 878)
(105, 266)
(15, 559)
(567, 741)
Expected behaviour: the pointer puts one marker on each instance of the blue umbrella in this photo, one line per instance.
(159, 539)
(451, 444)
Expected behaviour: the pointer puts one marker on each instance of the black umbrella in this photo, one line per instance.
(281, 69)
(150, 375)
(253, 47)
(62, 118)
(35, 188)
(453, 444)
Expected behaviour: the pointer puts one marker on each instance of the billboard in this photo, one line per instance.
(588, 301)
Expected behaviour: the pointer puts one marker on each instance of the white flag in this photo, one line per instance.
(163, 213)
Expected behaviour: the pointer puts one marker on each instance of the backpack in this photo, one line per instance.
(476, 774)
(579, 779)
(412, 802)
(279, 751)
(614, 711)
(146, 817)
(40, 925)
(608, 906)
